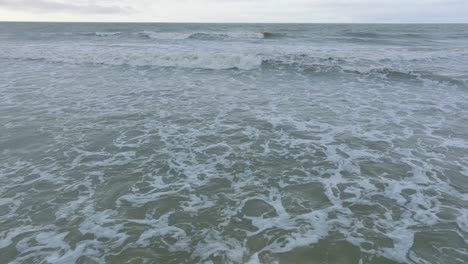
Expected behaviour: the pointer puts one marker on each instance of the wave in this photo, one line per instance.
(367, 41)
(336, 66)
(164, 35)
(209, 35)
(271, 35)
(362, 34)
(373, 35)
(141, 58)
(303, 63)
(103, 34)
(418, 75)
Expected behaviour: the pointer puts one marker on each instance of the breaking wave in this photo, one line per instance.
(103, 34)
(152, 58)
(209, 35)
(222, 60)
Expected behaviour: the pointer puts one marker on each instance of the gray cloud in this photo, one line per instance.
(54, 6)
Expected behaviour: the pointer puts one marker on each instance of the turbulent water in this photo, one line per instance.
(205, 143)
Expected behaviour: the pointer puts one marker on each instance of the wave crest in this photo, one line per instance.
(103, 34)
(137, 58)
(209, 35)
(222, 60)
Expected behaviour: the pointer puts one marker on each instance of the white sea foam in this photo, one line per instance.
(202, 35)
(140, 57)
(216, 60)
(103, 33)
(165, 35)
(107, 34)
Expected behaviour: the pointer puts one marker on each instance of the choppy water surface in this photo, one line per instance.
(176, 143)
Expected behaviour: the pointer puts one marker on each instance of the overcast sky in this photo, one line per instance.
(313, 11)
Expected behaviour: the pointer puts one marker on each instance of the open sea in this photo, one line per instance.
(233, 143)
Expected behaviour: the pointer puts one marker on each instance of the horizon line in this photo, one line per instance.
(198, 22)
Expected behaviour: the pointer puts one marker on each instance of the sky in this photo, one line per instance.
(268, 11)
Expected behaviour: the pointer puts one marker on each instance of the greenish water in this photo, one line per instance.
(150, 143)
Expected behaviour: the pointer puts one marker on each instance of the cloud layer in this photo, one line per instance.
(325, 11)
(50, 6)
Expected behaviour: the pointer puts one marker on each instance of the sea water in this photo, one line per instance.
(233, 143)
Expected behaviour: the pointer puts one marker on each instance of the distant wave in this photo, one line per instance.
(362, 34)
(102, 34)
(374, 35)
(164, 35)
(415, 75)
(271, 35)
(367, 41)
(209, 35)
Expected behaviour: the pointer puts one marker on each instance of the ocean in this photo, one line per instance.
(233, 143)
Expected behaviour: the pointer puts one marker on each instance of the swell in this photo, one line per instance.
(361, 35)
(121, 57)
(335, 66)
(271, 35)
(374, 35)
(414, 75)
(210, 35)
(102, 34)
(304, 64)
